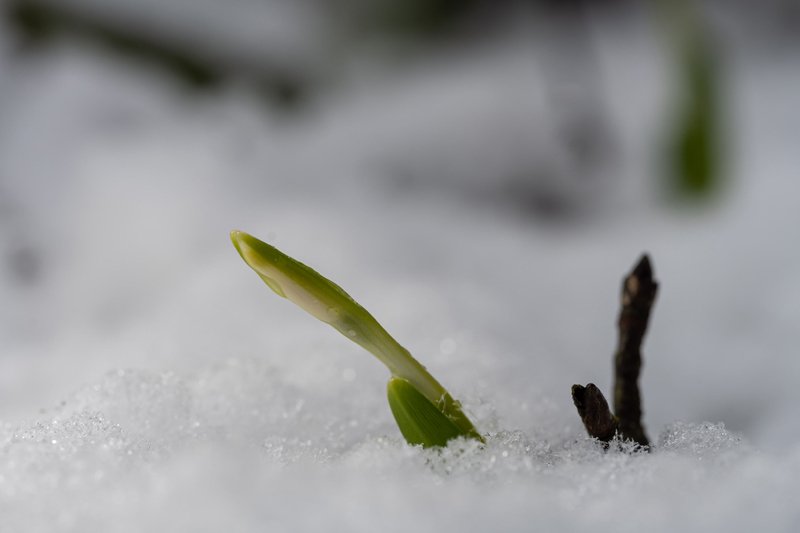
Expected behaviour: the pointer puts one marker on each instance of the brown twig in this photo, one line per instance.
(639, 291)
(594, 412)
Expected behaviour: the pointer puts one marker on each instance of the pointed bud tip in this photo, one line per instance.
(236, 239)
(246, 245)
(248, 248)
(237, 236)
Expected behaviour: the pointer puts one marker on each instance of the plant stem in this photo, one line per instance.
(326, 301)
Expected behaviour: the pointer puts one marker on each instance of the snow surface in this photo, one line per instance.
(149, 382)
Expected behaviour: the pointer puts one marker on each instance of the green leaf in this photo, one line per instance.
(419, 420)
(695, 151)
(329, 303)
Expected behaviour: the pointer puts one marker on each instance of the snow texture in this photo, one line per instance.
(149, 382)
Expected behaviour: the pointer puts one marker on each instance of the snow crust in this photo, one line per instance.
(148, 382)
(234, 448)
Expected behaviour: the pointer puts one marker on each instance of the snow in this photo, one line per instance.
(148, 381)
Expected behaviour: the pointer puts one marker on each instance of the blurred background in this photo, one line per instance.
(479, 174)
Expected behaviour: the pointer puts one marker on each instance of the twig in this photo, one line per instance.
(639, 291)
(638, 295)
(594, 412)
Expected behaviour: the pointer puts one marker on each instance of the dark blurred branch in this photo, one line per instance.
(639, 291)
(40, 21)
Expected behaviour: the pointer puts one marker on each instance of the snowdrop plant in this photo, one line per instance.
(425, 412)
